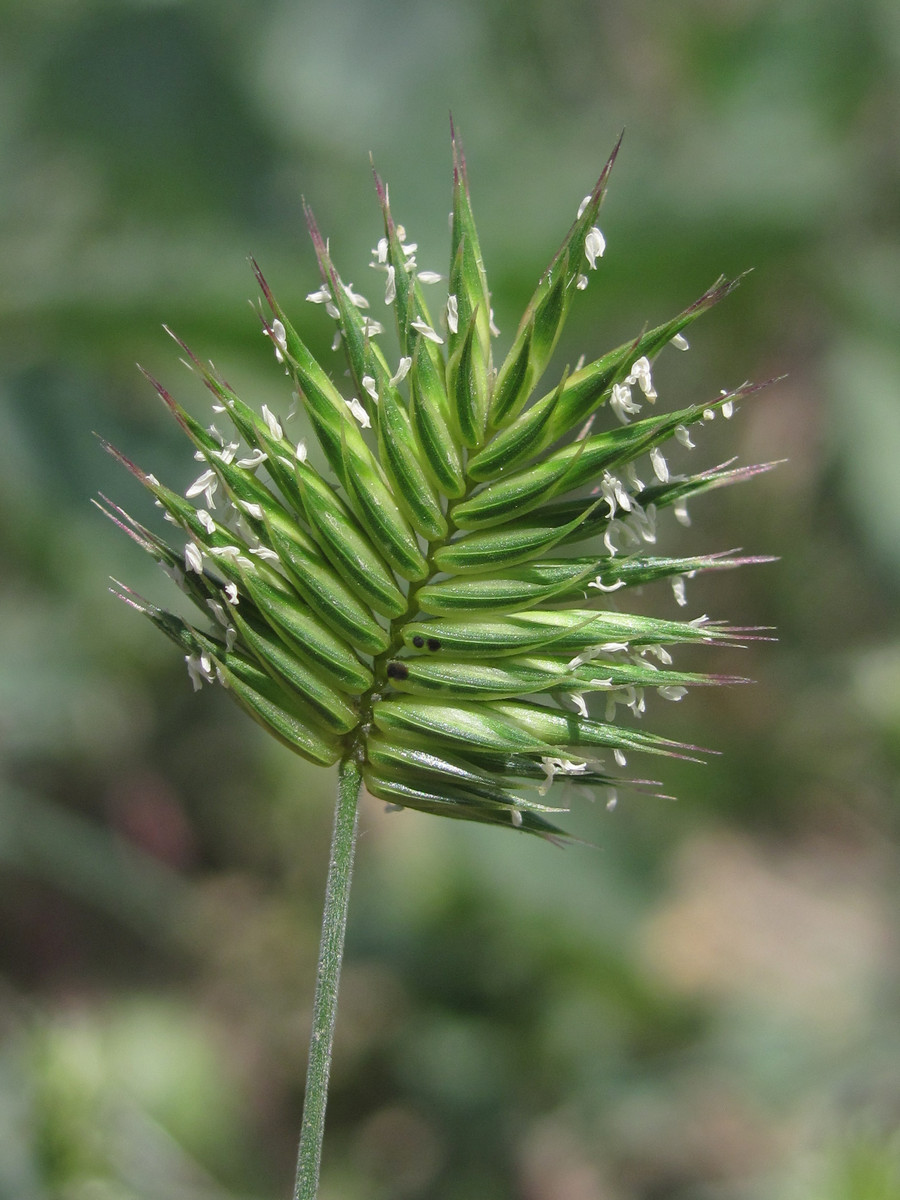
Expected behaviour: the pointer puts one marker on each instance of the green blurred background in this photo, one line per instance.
(704, 1007)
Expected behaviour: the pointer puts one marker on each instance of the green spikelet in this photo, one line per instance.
(434, 604)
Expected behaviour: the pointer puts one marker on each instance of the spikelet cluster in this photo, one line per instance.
(435, 603)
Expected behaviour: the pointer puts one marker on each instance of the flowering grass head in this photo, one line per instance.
(438, 604)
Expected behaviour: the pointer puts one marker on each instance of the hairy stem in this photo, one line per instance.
(331, 953)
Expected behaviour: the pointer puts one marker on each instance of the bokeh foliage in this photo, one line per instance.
(705, 1006)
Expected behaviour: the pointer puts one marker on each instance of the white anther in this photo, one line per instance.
(360, 413)
(226, 453)
(279, 337)
(273, 423)
(193, 558)
(371, 386)
(659, 464)
(402, 371)
(452, 314)
(603, 587)
(594, 246)
(622, 404)
(200, 670)
(355, 297)
(253, 460)
(640, 374)
(426, 331)
(682, 435)
(390, 287)
(218, 611)
(680, 342)
(659, 652)
(682, 516)
(205, 484)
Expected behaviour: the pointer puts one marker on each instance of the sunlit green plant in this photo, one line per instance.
(432, 611)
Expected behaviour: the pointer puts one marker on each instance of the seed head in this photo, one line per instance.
(435, 602)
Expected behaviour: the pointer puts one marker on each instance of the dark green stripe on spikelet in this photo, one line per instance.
(434, 601)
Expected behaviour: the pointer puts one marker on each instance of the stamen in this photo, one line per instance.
(659, 464)
(255, 459)
(425, 329)
(640, 374)
(402, 371)
(680, 510)
(218, 611)
(207, 483)
(622, 404)
(279, 337)
(273, 423)
(355, 297)
(360, 413)
(602, 587)
(594, 246)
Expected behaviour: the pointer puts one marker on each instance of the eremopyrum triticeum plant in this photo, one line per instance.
(432, 611)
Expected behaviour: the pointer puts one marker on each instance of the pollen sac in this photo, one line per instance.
(426, 591)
